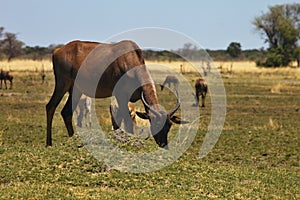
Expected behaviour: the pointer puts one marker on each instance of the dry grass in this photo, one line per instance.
(242, 66)
(238, 67)
(26, 65)
(271, 125)
(223, 67)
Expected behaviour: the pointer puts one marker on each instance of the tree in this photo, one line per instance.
(281, 29)
(297, 56)
(234, 49)
(189, 50)
(10, 46)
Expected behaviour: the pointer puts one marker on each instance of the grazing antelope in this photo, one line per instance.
(200, 89)
(122, 61)
(4, 75)
(170, 79)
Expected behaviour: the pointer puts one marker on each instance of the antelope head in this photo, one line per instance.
(160, 121)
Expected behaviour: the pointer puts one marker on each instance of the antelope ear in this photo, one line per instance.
(142, 115)
(177, 120)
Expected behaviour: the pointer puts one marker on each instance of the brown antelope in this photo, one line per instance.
(170, 79)
(127, 66)
(200, 89)
(4, 75)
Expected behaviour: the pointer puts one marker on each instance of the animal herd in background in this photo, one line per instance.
(6, 76)
(201, 88)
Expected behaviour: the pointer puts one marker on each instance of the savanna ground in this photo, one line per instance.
(256, 157)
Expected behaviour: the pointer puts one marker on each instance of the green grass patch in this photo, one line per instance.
(256, 157)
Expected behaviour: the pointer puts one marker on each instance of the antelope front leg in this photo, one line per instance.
(115, 121)
(125, 114)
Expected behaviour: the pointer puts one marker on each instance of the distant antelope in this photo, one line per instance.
(170, 79)
(200, 89)
(4, 75)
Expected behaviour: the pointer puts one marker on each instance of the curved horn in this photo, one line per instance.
(177, 105)
(148, 106)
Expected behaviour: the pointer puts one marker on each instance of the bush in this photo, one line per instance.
(276, 57)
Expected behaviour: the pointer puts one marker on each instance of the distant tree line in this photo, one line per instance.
(199, 54)
(279, 27)
(11, 47)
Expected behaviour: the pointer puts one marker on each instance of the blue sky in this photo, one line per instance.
(212, 23)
